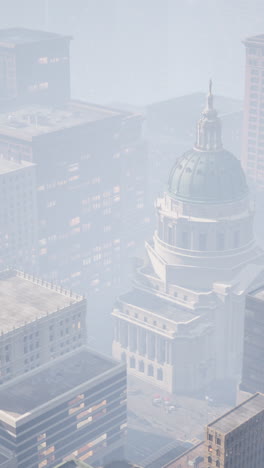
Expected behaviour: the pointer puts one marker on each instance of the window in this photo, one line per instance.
(209, 459)
(160, 374)
(184, 240)
(141, 366)
(150, 370)
(236, 239)
(218, 441)
(202, 241)
(43, 60)
(220, 241)
(210, 437)
(132, 362)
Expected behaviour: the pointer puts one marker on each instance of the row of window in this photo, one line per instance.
(141, 367)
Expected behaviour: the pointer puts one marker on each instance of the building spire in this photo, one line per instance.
(210, 97)
(209, 126)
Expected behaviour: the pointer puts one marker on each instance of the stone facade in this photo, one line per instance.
(181, 327)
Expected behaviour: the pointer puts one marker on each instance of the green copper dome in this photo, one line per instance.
(208, 173)
(208, 176)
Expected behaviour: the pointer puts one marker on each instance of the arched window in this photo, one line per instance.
(132, 363)
(141, 366)
(150, 370)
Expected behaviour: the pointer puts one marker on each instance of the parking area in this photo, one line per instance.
(178, 417)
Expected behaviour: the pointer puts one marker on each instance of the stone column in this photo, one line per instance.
(152, 346)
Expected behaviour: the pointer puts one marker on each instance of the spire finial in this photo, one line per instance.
(210, 99)
(210, 86)
(209, 126)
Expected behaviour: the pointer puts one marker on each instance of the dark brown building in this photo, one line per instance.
(34, 67)
(253, 357)
(235, 440)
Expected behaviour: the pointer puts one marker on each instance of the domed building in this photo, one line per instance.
(181, 327)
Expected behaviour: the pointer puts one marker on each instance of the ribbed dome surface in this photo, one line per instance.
(208, 176)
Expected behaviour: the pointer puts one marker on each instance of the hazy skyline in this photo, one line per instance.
(144, 51)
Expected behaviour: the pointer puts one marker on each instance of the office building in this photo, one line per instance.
(74, 406)
(38, 322)
(181, 327)
(91, 191)
(253, 134)
(18, 215)
(253, 352)
(34, 67)
(7, 458)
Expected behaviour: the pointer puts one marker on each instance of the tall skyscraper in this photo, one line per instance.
(90, 165)
(253, 135)
(253, 352)
(181, 327)
(34, 67)
(18, 215)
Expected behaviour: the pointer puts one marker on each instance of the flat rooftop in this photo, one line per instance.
(157, 305)
(239, 415)
(188, 458)
(33, 121)
(258, 294)
(25, 394)
(73, 464)
(257, 40)
(7, 165)
(13, 37)
(24, 299)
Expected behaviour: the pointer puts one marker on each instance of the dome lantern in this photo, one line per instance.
(208, 173)
(209, 127)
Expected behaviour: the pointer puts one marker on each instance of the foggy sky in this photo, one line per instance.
(142, 51)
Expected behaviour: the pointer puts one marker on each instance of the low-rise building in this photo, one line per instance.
(39, 322)
(74, 406)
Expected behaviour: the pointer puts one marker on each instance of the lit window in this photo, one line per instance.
(43, 60)
(44, 85)
(75, 221)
